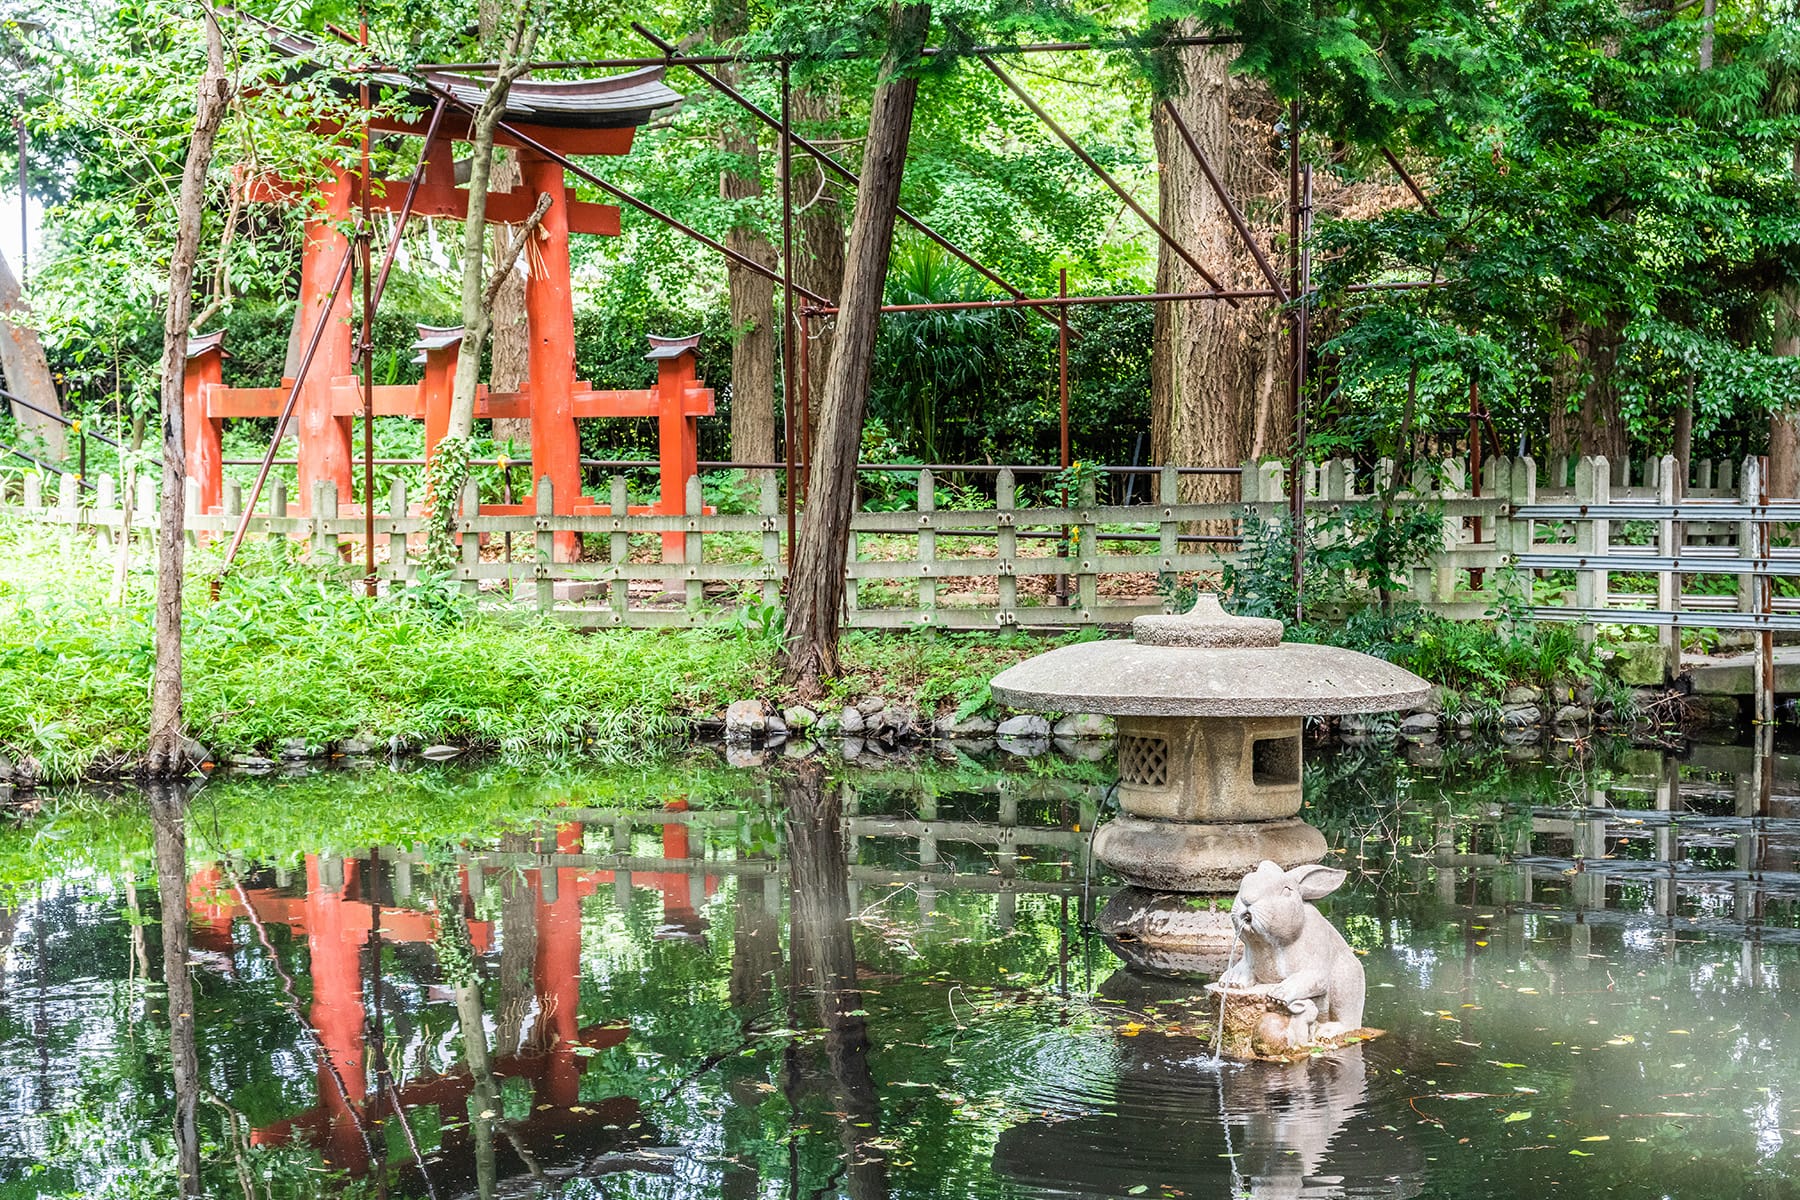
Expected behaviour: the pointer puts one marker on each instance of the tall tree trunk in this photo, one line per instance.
(166, 756)
(753, 328)
(1602, 424)
(816, 581)
(509, 358)
(448, 469)
(518, 952)
(824, 952)
(26, 369)
(819, 220)
(1784, 428)
(168, 810)
(1217, 376)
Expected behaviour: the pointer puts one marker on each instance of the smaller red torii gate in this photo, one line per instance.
(545, 118)
(676, 401)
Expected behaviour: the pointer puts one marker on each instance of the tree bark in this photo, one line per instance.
(448, 469)
(168, 810)
(509, 358)
(26, 369)
(753, 331)
(166, 754)
(816, 581)
(1218, 374)
(1784, 428)
(819, 220)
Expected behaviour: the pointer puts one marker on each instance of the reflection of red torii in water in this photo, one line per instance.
(564, 117)
(339, 918)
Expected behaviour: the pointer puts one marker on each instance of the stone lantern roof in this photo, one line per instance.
(1207, 663)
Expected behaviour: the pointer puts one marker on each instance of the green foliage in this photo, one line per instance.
(1353, 553)
(1609, 239)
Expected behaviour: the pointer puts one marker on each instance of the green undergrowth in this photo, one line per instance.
(288, 652)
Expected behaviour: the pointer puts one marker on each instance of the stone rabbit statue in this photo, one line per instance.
(1291, 953)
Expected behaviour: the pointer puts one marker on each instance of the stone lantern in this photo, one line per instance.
(1209, 710)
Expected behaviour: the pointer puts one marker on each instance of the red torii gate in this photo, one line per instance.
(567, 117)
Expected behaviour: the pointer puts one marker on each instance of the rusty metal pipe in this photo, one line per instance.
(406, 205)
(1168, 239)
(580, 172)
(1412, 185)
(784, 126)
(287, 412)
(1058, 301)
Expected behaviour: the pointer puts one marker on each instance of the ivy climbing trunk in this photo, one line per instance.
(1218, 373)
(448, 469)
(816, 577)
(167, 755)
(509, 354)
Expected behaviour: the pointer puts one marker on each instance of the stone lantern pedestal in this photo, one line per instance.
(1209, 710)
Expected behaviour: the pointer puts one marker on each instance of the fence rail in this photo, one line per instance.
(1645, 554)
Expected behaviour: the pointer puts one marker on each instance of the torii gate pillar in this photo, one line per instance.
(550, 309)
(204, 435)
(324, 438)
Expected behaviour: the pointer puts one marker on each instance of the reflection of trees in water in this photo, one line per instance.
(824, 952)
(168, 815)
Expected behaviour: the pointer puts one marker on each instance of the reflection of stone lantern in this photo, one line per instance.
(1209, 708)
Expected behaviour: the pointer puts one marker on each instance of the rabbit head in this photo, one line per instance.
(1272, 902)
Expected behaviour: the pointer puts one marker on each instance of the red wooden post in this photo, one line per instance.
(550, 309)
(336, 931)
(677, 430)
(438, 348)
(204, 434)
(558, 976)
(325, 438)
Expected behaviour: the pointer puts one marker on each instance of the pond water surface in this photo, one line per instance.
(879, 981)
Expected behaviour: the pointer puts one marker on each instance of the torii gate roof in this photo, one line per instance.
(608, 102)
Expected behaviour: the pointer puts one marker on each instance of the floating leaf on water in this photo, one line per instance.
(1598, 1137)
(1509, 1118)
(1137, 1189)
(1581, 1154)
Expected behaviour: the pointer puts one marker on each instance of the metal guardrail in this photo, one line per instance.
(1702, 510)
(1682, 564)
(1665, 618)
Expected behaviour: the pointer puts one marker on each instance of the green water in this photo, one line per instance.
(874, 981)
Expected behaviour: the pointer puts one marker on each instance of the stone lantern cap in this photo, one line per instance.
(1207, 663)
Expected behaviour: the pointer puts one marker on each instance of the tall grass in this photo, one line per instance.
(287, 653)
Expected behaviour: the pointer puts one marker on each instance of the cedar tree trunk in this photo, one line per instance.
(1218, 374)
(816, 581)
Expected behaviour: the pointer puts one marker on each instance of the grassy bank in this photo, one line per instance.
(290, 653)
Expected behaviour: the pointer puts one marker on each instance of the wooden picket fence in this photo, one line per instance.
(1629, 545)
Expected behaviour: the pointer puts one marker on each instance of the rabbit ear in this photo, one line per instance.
(1316, 881)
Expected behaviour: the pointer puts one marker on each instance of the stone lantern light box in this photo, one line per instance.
(1209, 709)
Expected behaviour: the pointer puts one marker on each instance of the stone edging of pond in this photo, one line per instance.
(752, 730)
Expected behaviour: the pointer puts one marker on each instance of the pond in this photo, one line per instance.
(879, 980)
